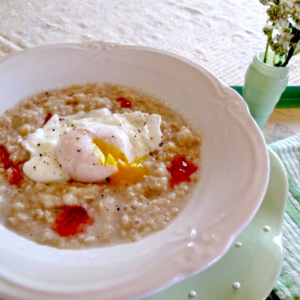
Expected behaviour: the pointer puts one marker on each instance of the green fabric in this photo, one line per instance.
(288, 284)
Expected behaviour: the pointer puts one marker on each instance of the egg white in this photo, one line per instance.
(135, 134)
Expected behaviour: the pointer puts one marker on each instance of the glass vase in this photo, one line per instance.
(263, 87)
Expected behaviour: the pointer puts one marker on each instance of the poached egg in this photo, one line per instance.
(92, 147)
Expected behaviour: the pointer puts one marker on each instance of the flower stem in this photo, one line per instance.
(295, 40)
(274, 57)
(266, 53)
(290, 54)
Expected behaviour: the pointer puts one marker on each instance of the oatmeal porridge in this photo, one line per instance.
(99, 164)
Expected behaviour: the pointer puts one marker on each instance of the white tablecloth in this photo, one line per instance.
(223, 36)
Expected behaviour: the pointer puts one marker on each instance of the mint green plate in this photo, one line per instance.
(255, 265)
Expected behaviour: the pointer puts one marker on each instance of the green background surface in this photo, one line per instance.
(289, 99)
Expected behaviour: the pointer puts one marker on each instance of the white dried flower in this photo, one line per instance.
(283, 23)
(282, 29)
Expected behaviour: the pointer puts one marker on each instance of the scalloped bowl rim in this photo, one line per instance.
(188, 245)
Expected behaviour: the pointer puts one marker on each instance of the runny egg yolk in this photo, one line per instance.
(127, 172)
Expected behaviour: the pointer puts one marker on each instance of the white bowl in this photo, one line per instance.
(234, 176)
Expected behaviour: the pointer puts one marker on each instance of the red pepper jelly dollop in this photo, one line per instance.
(4, 158)
(14, 175)
(125, 103)
(181, 170)
(13, 172)
(71, 220)
(48, 117)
